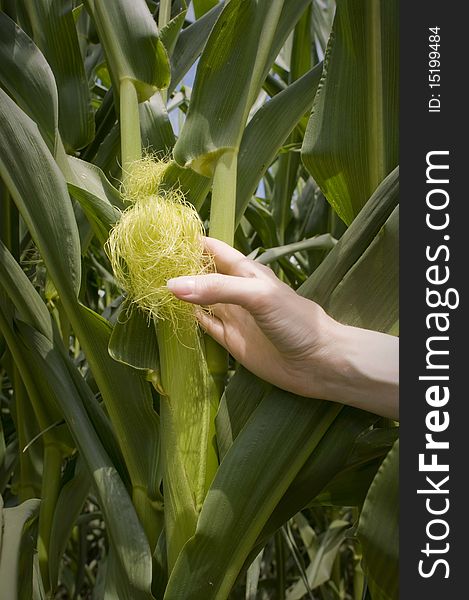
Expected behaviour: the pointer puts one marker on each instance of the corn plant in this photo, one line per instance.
(137, 460)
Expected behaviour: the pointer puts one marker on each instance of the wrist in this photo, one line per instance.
(359, 367)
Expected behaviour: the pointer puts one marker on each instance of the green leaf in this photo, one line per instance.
(262, 222)
(38, 189)
(227, 82)
(7, 465)
(203, 6)
(237, 518)
(329, 458)
(300, 61)
(99, 199)
(27, 301)
(69, 504)
(142, 352)
(324, 242)
(33, 311)
(133, 49)
(129, 404)
(54, 32)
(381, 259)
(194, 186)
(261, 142)
(169, 33)
(28, 78)
(190, 44)
(378, 530)
(156, 130)
(350, 486)
(352, 141)
(16, 554)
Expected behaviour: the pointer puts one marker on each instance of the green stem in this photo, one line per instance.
(358, 575)
(223, 207)
(9, 221)
(280, 561)
(222, 227)
(131, 141)
(50, 492)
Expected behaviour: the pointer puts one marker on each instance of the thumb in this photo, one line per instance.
(249, 292)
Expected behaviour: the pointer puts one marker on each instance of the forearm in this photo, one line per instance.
(362, 370)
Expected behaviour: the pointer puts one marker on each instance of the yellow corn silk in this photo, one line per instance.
(158, 237)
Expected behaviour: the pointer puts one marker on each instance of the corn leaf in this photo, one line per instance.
(236, 517)
(261, 142)
(16, 554)
(351, 142)
(378, 530)
(350, 486)
(329, 458)
(54, 32)
(169, 33)
(133, 49)
(26, 300)
(129, 404)
(352, 245)
(98, 198)
(194, 186)
(40, 194)
(33, 311)
(201, 7)
(28, 78)
(190, 44)
(323, 242)
(155, 126)
(372, 314)
(15, 291)
(8, 463)
(221, 94)
(69, 504)
(142, 353)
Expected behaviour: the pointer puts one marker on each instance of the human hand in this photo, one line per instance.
(263, 323)
(289, 340)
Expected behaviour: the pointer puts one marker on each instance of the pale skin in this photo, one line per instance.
(289, 340)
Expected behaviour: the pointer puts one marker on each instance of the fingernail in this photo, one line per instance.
(181, 286)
